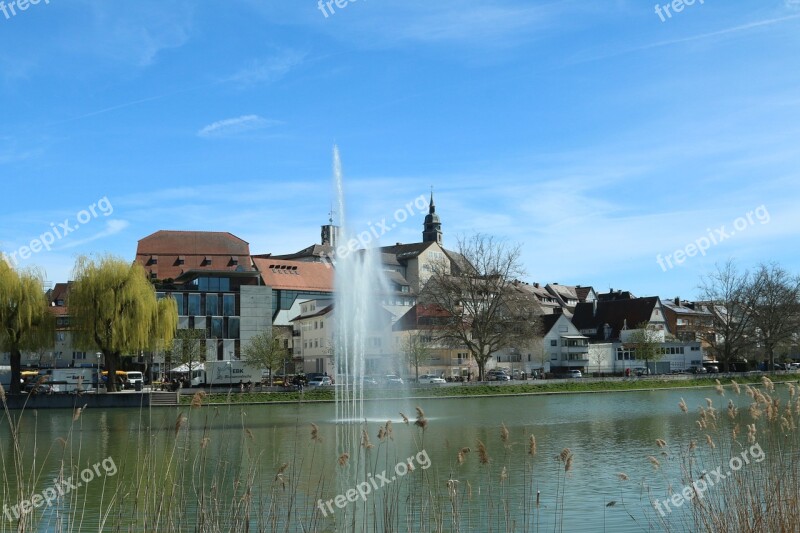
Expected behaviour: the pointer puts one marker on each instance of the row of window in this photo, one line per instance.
(201, 304)
(570, 343)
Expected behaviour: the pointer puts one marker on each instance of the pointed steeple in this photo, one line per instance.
(432, 230)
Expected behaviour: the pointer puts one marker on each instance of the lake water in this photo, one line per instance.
(214, 450)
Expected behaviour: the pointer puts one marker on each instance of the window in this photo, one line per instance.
(321, 324)
(179, 300)
(554, 342)
(216, 327)
(212, 304)
(233, 328)
(316, 325)
(194, 305)
(228, 304)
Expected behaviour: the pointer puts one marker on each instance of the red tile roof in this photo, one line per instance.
(168, 254)
(295, 275)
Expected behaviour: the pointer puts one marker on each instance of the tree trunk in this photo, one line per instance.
(111, 368)
(16, 370)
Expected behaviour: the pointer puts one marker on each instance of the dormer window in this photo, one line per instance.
(181, 260)
(153, 260)
(207, 260)
(234, 260)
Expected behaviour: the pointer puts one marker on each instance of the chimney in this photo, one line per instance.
(594, 307)
(677, 301)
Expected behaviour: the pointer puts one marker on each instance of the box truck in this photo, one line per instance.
(70, 379)
(227, 373)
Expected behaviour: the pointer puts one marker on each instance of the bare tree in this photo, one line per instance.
(731, 296)
(417, 351)
(776, 315)
(645, 342)
(485, 311)
(187, 347)
(265, 351)
(597, 358)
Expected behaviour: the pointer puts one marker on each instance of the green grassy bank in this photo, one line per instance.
(537, 387)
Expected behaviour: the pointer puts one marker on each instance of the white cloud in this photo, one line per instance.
(233, 126)
(112, 228)
(268, 70)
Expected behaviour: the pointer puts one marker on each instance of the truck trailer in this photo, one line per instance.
(225, 373)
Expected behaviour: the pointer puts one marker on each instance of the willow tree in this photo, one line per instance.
(114, 310)
(26, 322)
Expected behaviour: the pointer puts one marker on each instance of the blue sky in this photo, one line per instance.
(592, 133)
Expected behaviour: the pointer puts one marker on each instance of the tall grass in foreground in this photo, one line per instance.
(195, 477)
(739, 473)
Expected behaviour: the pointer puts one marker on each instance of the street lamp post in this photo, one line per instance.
(230, 376)
(97, 375)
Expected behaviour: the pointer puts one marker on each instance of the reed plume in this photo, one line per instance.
(483, 453)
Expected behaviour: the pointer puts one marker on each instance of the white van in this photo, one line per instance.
(134, 377)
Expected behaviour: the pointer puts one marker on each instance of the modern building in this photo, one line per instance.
(215, 284)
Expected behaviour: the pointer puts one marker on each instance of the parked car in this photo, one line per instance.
(497, 375)
(712, 369)
(369, 380)
(698, 370)
(320, 381)
(391, 379)
(431, 379)
(574, 374)
(641, 371)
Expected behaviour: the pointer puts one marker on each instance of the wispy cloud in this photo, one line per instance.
(234, 126)
(471, 22)
(112, 228)
(265, 71)
(703, 36)
(129, 33)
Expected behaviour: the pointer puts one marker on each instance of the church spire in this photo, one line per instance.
(432, 230)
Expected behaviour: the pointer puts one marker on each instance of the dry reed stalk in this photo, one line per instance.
(735, 386)
(504, 432)
(365, 442)
(344, 459)
(682, 405)
(197, 399)
(483, 453)
(421, 420)
(532, 445)
(405, 418)
(179, 422)
(315, 433)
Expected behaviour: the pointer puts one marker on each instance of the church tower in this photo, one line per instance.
(432, 231)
